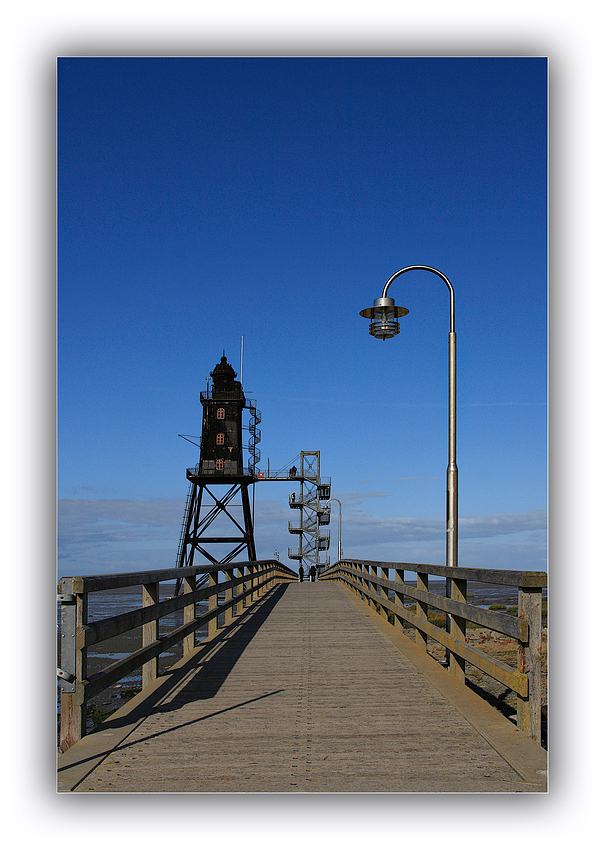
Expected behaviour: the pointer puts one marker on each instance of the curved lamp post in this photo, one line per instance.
(384, 324)
(339, 526)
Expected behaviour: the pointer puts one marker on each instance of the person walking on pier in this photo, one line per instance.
(301, 572)
(312, 572)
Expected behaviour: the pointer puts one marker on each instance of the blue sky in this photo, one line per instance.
(202, 200)
(397, 229)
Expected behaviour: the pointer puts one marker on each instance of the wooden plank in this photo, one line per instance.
(508, 676)
(529, 706)
(109, 627)
(229, 595)
(306, 696)
(73, 708)
(93, 584)
(421, 609)
(510, 578)
(121, 668)
(151, 633)
(514, 627)
(212, 605)
(458, 629)
(118, 669)
(189, 614)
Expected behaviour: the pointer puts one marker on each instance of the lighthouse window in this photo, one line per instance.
(220, 464)
(220, 439)
(220, 413)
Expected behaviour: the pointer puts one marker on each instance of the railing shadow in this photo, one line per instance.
(499, 703)
(213, 671)
(210, 673)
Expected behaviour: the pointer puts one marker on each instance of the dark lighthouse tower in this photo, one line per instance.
(221, 454)
(218, 493)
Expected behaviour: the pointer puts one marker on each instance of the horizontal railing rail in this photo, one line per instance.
(244, 583)
(388, 597)
(306, 475)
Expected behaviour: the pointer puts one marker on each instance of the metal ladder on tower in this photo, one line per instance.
(182, 541)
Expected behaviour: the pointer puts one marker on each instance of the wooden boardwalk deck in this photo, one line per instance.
(309, 692)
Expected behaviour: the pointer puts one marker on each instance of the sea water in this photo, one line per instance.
(111, 603)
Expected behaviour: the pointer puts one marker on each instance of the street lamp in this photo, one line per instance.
(339, 526)
(384, 324)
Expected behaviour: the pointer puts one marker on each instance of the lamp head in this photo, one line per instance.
(384, 316)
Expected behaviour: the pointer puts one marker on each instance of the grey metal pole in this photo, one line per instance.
(451, 524)
(339, 525)
(452, 469)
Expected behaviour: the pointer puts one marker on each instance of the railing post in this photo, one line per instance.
(422, 583)
(253, 583)
(189, 615)
(229, 573)
(365, 582)
(151, 632)
(373, 573)
(212, 602)
(457, 629)
(529, 711)
(399, 597)
(384, 573)
(240, 587)
(74, 615)
(248, 583)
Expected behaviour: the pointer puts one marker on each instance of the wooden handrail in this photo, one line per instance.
(510, 578)
(92, 584)
(78, 635)
(525, 680)
(256, 577)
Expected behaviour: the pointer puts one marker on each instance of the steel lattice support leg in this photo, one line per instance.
(199, 518)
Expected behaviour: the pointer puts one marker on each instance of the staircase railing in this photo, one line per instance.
(179, 553)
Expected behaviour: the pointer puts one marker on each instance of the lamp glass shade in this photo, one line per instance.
(384, 316)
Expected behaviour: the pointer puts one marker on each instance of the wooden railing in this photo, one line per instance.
(371, 581)
(244, 583)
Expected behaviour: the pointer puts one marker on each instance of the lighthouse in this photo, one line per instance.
(217, 522)
(221, 454)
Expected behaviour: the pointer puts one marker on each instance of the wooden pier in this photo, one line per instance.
(307, 691)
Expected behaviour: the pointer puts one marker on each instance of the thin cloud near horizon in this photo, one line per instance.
(113, 535)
